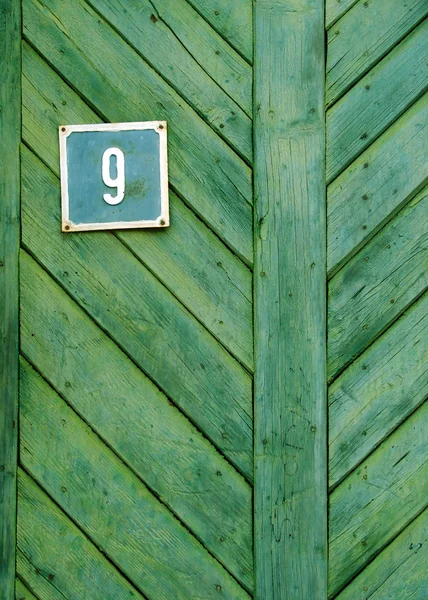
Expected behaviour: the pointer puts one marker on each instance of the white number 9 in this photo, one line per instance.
(119, 181)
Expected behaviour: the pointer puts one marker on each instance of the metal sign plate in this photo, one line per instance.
(114, 176)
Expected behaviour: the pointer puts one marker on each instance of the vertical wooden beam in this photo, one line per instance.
(290, 301)
(10, 137)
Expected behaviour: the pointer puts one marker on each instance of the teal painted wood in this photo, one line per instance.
(376, 101)
(363, 36)
(107, 501)
(377, 185)
(400, 572)
(69, 562)
(378, 284)
(35, 579)
(233, 20)
(22, 592)
(10, 139)
(204, 170)
(379, 499)
(334, 9)
(290, 513)
(155, 440)
(378, 391)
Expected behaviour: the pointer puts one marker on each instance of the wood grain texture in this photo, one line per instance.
(70, 563)
(182, 48)
(376, 185)
(400, 572)
(187, 257)
(378, 391)
(378, 500)
(334, 9)
(378, 284)
(129, 303)
(10, 139)
(137, 421)
(233, 20)
(202, 167)
(119, 514)
(376, 101)
(290, 388)
(363, 36)
(22, 592)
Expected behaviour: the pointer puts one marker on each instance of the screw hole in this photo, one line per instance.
(62, 128)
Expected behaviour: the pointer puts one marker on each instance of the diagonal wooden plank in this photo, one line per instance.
(187, 257)
(233, 20)
(38, 581)
(334, 9)
(22, 592)
(378, 284)
(128, 302)
(376, 185)
(376, 101)
(119, 514)
(115, 80)
(192, 57)
(399, 572)
(363, 36)
(150, 436)
(378, 391)
(378, 500)
(65, 558)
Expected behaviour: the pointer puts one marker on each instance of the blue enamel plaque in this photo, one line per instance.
(114, 176)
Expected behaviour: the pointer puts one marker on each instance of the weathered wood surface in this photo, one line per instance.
(215, 182)
(334, 9)
(187, 257)
(290, 510)
(378, 391)
(373, 504)
(36, 579)
(378, 284)
(363, 36)
(55, 547)
(400, 572)
(111, 505)
(10, 138)
(156, 441)
(376, 185)
(376, 101)
(22, 592)
(233, 20)
(182, 48)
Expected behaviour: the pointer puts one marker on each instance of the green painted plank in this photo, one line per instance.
(233, 20)
(111, 505)
(378, 284)
(334, 9)
(290, 512)
(59, 550)
(376, 185)
(378, 500)
(378, 391)
(192, 57)
(187, 257)
(202, 168)
(137, 311)
(40, 585)
(363, 36)
(400, 572)
(376, 101)
(152, 437)
(22, 592)
(10, 139)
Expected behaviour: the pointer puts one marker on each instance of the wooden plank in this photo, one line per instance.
(376, 101)
(152, 437)
(69, 562)
(10, 139)
(290, 513)
(191, 56)
(399, 572)
(204, 275)
(378, 284)
(233, 20)
(376, 185)
(119, 514)
(202, 167)
(378, 391)
(363, 36)
(22, 592)
(378, 500)
(334, 9)
(36, 579)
